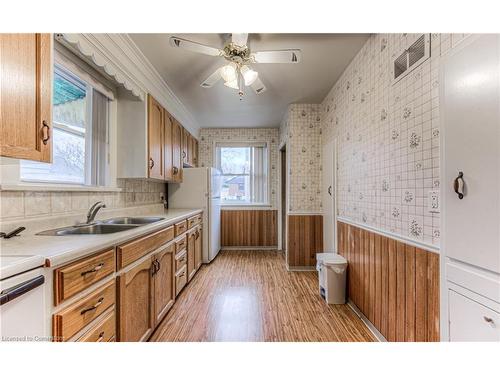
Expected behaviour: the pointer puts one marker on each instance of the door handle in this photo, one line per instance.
(330, 190)
(46, 135)
(458, 185)
(18, 290)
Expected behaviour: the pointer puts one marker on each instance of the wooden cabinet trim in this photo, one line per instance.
(180, 227)
(80, 274)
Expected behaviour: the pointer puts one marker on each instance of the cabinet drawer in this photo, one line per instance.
(133, 250)
(180, 260)
(104, 331)
(79, 275)
(193, 221)
(180, 227)
(472, 321)
(76, 316)
(180, 244)
(180, 279)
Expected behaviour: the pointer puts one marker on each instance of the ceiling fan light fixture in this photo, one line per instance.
(228, 73)
(232, 84)
(249, 75)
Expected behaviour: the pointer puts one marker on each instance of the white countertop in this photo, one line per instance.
(28, 251)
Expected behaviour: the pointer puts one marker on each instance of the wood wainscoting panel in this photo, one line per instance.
(305, 239)
(249, 228)
(395, 285)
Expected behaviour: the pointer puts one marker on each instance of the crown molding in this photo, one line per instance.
(121, 59)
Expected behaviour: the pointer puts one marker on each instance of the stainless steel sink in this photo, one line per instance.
(113, 225)
(133, 220)
(98, 228)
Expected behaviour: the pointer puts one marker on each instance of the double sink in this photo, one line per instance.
(113, 225)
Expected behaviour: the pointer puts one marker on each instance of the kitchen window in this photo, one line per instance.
(245, 173)
(79, 134)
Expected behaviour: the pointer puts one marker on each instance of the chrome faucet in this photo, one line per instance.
(93, 211)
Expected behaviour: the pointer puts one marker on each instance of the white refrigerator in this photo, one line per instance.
(201, 188)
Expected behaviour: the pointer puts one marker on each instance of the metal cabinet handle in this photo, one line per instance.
(98, 303)
(458, 185)
(184, 154)
(101, 337)
(197, 235)
(46, 137)
(95, 269)
(330, 190)
(151, 163)
(158, 265)
(176, 170)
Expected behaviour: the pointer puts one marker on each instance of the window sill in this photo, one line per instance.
(56, 187)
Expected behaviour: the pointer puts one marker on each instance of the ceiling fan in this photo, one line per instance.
(237, 73)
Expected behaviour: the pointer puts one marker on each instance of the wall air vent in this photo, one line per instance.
(414, 55)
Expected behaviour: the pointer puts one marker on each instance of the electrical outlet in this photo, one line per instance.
(433, 201)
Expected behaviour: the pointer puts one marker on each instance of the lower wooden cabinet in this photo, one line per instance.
(191, 247)
(164, 282)
(135, 310)
(198, 248)
(102, 332)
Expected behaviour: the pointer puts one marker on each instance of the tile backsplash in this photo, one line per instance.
(209, 136)
(16, 205)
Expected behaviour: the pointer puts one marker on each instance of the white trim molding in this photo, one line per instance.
(394, 236)
(122, 60)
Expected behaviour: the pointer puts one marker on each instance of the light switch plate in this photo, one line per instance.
(433, 201)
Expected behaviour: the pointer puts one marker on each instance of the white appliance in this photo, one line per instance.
(470, 188)
(22, 307)
(201, 188)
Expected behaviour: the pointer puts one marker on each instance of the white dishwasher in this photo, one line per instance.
(22, 307)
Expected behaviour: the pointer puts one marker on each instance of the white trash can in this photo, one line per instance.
(332, 277)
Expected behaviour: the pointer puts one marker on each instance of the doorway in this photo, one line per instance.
(283, 203)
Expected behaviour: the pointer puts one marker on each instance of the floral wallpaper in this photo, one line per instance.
(388, 138)
(301, 130)
(209, 136)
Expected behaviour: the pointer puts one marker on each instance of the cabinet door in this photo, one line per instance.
(195, 153)
(470, 93)
(135, 293)
(26, 96)
(164, 282)
(191, 246)
(155, 139)
(176, 151)
(185, 148)
(198, 247)
(167, 146)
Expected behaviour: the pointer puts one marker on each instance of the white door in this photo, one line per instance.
(470, 106)
(328, 196)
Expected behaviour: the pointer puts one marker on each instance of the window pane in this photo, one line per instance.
(68, 134)
(235, 189)
(68, 161)
(235, 160)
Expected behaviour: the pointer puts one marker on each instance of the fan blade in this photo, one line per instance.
(195, 47)
(277, 57)
(240, 39)
(258, 86)
(212, 79)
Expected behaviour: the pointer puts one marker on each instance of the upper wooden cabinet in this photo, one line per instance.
(189, 151)
(177, 151)
(156, 130)
(26, 96)
(167, 146)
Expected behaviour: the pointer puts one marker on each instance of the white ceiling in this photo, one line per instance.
(324, 58)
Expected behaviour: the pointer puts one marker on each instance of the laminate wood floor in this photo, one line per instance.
(250, 296)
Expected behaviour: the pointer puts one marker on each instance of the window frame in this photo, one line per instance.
(240, 144)
(89, 175)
